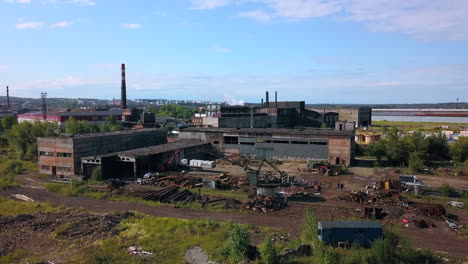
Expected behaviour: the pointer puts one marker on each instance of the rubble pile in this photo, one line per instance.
(265, 204)
(234, 159)
(427, 209)
(376, 199)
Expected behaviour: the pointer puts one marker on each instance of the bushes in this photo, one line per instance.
(310, 229)
(448, 191)
(268, 252)
(96, 174)
(11, 167)
(237, 245)
(7, 182)
(415, 162)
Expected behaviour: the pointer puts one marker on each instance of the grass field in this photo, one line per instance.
(421, 126)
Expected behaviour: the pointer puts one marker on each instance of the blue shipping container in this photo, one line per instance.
(362, 232)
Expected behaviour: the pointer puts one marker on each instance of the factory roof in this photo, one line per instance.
(161, 148)
(304, 131)
(349, 224)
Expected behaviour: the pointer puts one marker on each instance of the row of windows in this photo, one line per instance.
(51, 154)
(235, 140)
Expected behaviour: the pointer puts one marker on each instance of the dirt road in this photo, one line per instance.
(288, 220)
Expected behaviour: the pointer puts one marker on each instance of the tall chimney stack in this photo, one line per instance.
(8, 97)
(267, 100)
(276, 99)
(262, 102)
(123, 98)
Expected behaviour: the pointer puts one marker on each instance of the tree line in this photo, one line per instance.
(177, 111)
(415, 150)
(22, 137)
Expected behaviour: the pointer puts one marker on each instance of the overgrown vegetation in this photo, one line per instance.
(383, 250)
(167, 238)
(75, 188)
(237, 245)
(7, 182)
(177, 111)
(23, 137)
(268, 252)
(11, 207)
(412, 150)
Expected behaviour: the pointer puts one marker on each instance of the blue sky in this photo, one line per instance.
(335, 51)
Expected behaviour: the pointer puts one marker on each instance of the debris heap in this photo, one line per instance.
(265, 204)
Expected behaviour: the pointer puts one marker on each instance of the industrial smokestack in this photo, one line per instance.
(262, 102)
(8, 97)
(267, 100)
(276, 99)
(123, 98)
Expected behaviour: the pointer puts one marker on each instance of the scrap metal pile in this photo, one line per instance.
(229, 182)
(265, 204)
(172, 194)
(180, 181)
(361, 197)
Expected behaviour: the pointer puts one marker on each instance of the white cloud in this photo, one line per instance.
(4, 66)
(258, 15)
(82, 2)
(209, 4)
(421, 19)
(131, 26)
(62, 24)
(29, 25)
(19, 1)
(217, 48)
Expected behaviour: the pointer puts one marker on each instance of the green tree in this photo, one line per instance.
(460, 150)
(23, 137)
(111, 124)
(438, 148)
(415, 162)
(176, 111)
(377, 149)
(73, 126)
(310, 229)
(7, 122)
(384, 249)
(237, 245)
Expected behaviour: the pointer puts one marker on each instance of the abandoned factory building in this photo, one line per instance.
(136, 162)
(62, 155)
(334, 146)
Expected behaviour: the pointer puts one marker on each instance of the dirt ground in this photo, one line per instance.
(46, 236)
(288, 220)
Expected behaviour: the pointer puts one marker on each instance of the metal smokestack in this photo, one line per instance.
(267, 100)
(8, 97)
(262, 102)
(276, 99)
(123, 98)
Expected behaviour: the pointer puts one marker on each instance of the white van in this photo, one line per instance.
(411, 180)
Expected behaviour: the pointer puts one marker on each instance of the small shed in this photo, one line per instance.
(344, 233)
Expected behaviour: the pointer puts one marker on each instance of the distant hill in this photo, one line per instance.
(36, 103)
